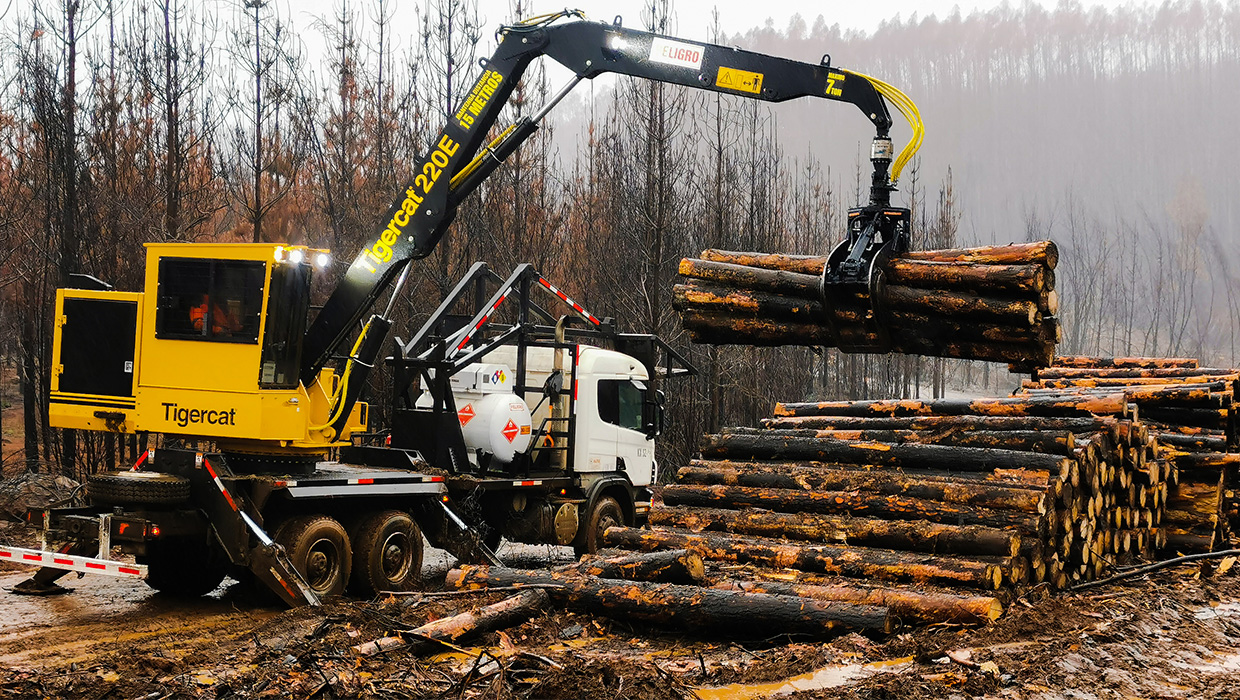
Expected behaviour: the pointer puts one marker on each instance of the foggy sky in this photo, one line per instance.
(694, 16)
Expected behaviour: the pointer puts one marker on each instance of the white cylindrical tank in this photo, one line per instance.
(498, 424)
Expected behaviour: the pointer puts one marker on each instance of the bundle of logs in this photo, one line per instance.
(1191, 412)
(994, 303)
(988, 494)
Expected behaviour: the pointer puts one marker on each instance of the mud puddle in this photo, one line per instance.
(832, 676)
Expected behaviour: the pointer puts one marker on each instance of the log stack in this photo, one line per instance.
(994, 303)
(1191, 412)
(989, 494)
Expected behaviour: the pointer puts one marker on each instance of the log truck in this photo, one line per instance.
(264, 467)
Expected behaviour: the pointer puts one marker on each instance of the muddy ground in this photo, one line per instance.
(1173, 635)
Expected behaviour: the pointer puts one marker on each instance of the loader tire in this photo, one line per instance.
(184, 568)
(136, 488)
(318, 547)
(387, 554)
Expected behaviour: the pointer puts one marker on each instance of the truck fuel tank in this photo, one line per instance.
(498, 424)
(493, 418)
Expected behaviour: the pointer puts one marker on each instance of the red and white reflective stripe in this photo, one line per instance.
(469, 336)
(68, 562)
(361, 481)
(141, 460)
(537, 482)
(564, 297)
(219, 484)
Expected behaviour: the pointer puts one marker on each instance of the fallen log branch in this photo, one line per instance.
(908, 605)
(506, 613)
(685, 606)
(1142, 570)
(668, 566)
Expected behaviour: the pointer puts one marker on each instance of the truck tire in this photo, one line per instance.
(605, 513)
(319, 547)
(184, 568)
(387, 554)
(136, 488)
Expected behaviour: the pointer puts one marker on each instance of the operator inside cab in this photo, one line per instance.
(217, 300)
(223, 321)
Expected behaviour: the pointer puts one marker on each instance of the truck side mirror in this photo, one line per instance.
(655, 415)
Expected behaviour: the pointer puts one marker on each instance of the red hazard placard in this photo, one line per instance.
(466, 414)
(510, 430)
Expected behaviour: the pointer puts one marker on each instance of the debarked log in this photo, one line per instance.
(908, 535)
(683, 606)
(851, 503)
(1037, 252)
(856, 562)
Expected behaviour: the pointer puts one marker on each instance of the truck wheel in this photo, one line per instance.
(387, 554)
(136, 488)
(605, 513)
(184, 568)
(319, 547)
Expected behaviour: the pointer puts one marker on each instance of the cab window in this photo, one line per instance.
(620, 402)
(215, 300)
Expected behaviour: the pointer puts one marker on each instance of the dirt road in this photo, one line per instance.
(103, 615)
(1172, 636)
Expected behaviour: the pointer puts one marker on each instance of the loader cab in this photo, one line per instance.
(232, 313)
(216, 347)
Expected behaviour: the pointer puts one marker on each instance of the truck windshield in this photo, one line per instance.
(620, 403)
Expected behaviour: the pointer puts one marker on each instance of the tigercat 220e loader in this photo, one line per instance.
(218, 351)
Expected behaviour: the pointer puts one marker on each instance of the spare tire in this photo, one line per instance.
(136, 488)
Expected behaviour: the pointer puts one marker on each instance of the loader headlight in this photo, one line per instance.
(279, 253)
(296, 255)
(322, 259)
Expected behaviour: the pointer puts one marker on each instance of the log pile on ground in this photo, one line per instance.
(994, 303)
(990, 494)
(1191, 411)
